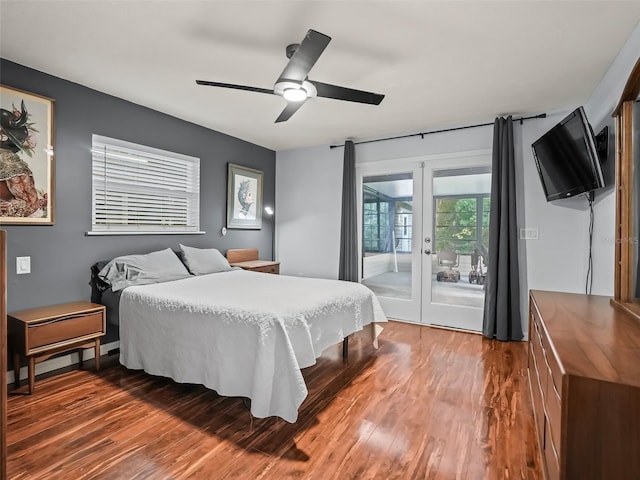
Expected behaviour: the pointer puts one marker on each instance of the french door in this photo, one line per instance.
(390, 227)
(423, 227)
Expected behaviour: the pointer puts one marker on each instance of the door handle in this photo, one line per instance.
(427, 252)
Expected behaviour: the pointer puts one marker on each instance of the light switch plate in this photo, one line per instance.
(23, 265)
(528, 234)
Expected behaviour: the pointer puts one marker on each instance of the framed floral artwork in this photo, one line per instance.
(26, 158)
(244, 197)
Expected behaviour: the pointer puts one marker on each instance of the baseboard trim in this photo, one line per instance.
(63, 361)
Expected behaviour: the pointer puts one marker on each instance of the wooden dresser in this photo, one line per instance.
(247, 259)
(584, 377)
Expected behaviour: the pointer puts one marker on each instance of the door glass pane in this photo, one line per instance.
(461, 204)
(387, 229)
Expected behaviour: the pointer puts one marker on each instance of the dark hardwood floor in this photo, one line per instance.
(428, 404)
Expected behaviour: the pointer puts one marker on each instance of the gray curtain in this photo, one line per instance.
(348, 269)
(501, 318)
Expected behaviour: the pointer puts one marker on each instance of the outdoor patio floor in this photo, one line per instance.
(398, 285)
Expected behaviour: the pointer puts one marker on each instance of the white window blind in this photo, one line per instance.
(139, 189)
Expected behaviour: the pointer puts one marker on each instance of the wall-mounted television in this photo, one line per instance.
(567, 158)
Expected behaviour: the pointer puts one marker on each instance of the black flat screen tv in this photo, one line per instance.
(567, 159)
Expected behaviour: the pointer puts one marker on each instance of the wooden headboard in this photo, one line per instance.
(237, 255)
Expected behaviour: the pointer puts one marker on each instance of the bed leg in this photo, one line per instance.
(345, 349)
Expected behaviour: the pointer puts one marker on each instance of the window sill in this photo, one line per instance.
(97, 234)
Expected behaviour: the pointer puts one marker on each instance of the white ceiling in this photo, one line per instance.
(439, 64)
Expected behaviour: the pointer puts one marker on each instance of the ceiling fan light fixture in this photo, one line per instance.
(293, 84)
(294, 94)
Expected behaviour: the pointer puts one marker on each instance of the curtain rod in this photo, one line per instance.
(422, 134)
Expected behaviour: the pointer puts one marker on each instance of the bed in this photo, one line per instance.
(237, 332)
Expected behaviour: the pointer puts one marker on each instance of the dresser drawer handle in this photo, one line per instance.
(61, 319)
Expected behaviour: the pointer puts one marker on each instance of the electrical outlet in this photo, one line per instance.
(23, 265)
(528, 234)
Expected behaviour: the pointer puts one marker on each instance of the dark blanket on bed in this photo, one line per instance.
(101, 293)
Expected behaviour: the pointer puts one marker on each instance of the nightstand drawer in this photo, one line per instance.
(64, 329)
(262, 266)
(267, 269)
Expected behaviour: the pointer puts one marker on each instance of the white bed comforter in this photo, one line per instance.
(242, 333)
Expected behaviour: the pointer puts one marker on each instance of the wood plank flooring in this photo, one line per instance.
(428, 404)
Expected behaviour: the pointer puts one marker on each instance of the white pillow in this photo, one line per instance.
(154, 267)
(201, 261)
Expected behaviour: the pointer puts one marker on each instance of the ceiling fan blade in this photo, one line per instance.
(289, 110)
(236, 87)
(305, 56)
(343, 93)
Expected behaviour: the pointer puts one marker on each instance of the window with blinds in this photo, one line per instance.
(139, 189)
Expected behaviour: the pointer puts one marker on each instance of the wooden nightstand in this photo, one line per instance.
(40, 333)
(247, 259)
(264, 266)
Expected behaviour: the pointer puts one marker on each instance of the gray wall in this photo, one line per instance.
(62, 254)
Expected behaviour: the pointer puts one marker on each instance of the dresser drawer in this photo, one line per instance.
(555, 377)
(538, 355)
(536, 398)
(551, 456)
(554, 419)
(535, 319)
(536, 339)
(64, 329)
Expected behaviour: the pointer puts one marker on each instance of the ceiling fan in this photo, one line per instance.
(293, 84)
